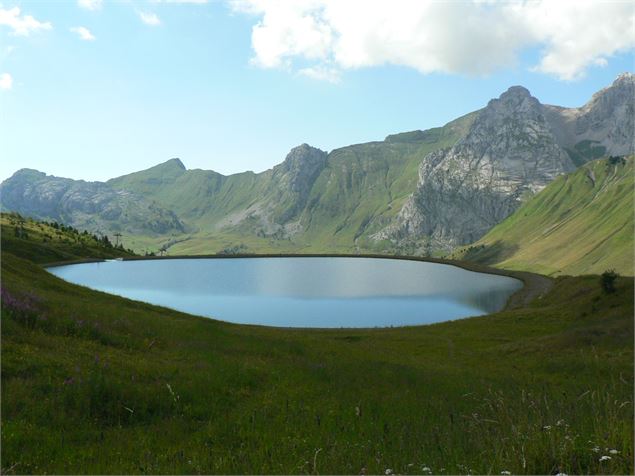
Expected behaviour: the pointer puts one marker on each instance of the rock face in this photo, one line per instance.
(514, 148)
(294, 178)
(603, 126)
(88, 205)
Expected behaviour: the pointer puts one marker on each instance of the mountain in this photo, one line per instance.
(414, 192)
(318, 200)
(581, 223)
(603, 126)
(88, 205)
(514, 148)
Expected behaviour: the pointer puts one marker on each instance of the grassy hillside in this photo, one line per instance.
(51, 242)
(93, 383)
(581, 223)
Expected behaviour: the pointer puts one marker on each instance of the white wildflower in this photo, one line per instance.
(596, 449)
(506, 472)
(425, 469)
(388, 472)
(561, 474)
(613, 452)
(546, 427)
(604, 458)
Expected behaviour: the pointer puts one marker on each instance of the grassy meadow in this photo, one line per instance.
(93, 383)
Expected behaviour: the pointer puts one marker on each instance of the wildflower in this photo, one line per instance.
(561, 423)
(595, 449)
(546, 427)
(505, 472)
(425, 469)
(561, 474)
(613, 452)
(388, 471)
(604, 458)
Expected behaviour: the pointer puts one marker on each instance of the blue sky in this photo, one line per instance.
(233, 86)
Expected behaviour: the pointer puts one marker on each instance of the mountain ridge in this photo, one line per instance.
(416, 191)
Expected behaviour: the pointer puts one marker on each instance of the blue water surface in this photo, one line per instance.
(302, 292)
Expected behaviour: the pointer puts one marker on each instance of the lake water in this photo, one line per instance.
(302, 292)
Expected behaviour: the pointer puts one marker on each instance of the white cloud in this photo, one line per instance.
(22, 25)
(149, 18)
(6, 81)
(83, 33)
(90, 4)
(470, 38)
(580, 34)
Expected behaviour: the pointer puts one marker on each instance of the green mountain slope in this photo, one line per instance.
(311, 201)
(579, 224)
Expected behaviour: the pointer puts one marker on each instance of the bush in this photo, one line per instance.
(607, 281)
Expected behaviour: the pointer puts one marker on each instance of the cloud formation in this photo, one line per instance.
(6, 81)
(468, 38)
(149, 18)
(83, 33)
(89, 4)
(21, 25)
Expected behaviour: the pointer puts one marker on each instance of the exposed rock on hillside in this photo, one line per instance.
(90, 205)
(294, 178)
(603, 126)
(462, 192)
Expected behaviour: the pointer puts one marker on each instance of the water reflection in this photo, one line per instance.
(302, 292)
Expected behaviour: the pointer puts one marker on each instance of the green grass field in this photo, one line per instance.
(580, 223)
(93, 383)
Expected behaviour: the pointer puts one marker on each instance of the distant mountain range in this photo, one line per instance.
(415, 192)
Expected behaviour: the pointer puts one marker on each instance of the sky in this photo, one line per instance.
(92, 89)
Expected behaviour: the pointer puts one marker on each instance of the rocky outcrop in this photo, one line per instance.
(603, 126)
(509, 152)
(294, 179)
(94, 206)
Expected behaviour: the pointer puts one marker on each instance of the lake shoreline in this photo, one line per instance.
(534, 285)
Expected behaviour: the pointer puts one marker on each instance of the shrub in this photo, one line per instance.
(607, 281)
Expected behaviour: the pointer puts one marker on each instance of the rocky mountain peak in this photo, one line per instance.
(301, 161)
(624, 79)
(603, 126)
(515, 92)
(296, 176)
(622, 89)
(304, 152)
(515, 99)
(463, 191)
(28, 173)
